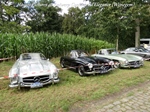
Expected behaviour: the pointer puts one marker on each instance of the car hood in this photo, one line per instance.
(94, 60)
(34, 68)
(115, 57)
(129, 57)
(87, 59)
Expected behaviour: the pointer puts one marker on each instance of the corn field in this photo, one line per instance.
(51, 45)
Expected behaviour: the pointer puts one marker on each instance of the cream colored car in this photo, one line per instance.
(123, 60)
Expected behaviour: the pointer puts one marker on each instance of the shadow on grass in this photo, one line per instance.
(91, 75)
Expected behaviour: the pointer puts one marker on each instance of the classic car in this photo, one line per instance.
(123, 60)
(85, 64)
(33, 70)
(138, 52)
(143, 49)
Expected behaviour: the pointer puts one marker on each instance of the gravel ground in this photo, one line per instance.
(133, 99)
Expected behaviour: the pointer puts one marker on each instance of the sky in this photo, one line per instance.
(65, 4)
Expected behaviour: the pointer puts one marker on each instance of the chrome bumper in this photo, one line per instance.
(22, 84)
(98, 72)
(132, 66)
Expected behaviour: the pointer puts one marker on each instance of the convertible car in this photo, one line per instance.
(33, 70)
(137, 51)
(143, 49)
(123, 60)
(84, 64)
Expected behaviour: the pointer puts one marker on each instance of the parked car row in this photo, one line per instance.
(35, 70)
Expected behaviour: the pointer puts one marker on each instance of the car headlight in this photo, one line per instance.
(142, 60)
(90, 65)
(125, 62)
(55, 75)
(14, 79)
(111, 63)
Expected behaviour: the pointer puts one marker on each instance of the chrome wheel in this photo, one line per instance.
(81, 70)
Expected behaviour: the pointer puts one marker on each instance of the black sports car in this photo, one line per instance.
(85, 64)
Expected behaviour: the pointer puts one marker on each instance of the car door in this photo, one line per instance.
(134, 51)
(73, 59)
(138, 53)
(66, 60)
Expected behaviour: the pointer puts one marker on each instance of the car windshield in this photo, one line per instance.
(26, 57)
(73, 54)
(109, 51)
(33, 56)
(130, 49)
(112, 51)
(83, 54)
(142, 49)
(76, 54)
(42, 57)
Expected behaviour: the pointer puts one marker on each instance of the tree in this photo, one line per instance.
(140, 18)
(44, 17)
(73, 21)
(11, 16)
(116, 19)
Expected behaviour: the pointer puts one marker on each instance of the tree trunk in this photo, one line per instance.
(137, 33)
(117, 40)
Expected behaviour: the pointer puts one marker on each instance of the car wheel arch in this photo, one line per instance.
(62, 63)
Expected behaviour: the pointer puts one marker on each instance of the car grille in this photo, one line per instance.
(99, 67)
(134, 63)
(30, 80)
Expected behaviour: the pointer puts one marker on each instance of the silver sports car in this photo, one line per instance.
(33, 70)
(137, 51)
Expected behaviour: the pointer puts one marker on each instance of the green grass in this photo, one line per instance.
(130, 94)
(71, 89)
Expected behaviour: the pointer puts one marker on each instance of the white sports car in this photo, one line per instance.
(33, 70)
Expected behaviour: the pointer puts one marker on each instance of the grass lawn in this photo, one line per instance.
(71, 89)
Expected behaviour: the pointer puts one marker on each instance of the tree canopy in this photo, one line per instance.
(115, 21)
(11, 16)
(45, 17)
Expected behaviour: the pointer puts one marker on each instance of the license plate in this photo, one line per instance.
(104, 71)
(136, 66)
(36, 85)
